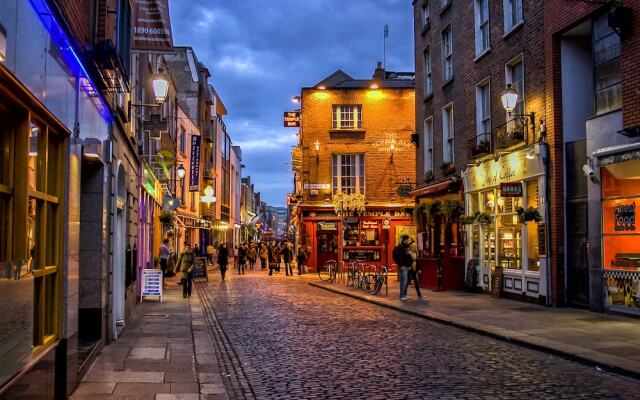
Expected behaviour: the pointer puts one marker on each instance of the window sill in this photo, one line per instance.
(347, 131)
(425, 28)
(481, 55)
(428, 97)
(447, 82)
(513, 29)
(444, 8)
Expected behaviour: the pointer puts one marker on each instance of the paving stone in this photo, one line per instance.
(141, 389)
(154, 353)
(184, 396)
(95, 388)
(183, 387)
(174, 377)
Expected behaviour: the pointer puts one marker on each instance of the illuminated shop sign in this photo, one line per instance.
(625, 217)
(292, 119)
(327, 226)
(511, 189)
(508, 168)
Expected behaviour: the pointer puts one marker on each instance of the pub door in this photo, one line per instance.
(327, 245)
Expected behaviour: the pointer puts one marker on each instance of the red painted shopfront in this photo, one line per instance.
(369, 238)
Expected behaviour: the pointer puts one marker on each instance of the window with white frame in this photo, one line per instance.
(512, 13)
(428, 83)
(348, 173)
(447, 133)
(428, 144)
(606, 59)
(514, 75)
(481, 11)
(483, 109)
(447, 52)
(426, 15)
(347, 116)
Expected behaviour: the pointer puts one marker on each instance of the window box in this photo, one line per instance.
(447, 168)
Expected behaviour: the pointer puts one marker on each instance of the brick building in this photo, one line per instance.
(466, 55)
(355, 137)
(593, 114)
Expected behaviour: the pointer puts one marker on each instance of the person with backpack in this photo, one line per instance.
(402, 258)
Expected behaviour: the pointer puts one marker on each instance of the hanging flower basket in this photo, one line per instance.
(349, 204)
(484, 219)
(167, 219)
(530, 214)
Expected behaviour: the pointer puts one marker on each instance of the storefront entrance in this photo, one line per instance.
(327, 233)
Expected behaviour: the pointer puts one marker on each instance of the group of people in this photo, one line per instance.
(405, 255)
(272, 256)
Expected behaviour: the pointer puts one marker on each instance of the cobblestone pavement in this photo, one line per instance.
(299, 342)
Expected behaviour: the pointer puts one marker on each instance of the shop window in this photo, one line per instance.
(475, 242)
(606, 58)
(35, 157)
(488, 201)
(369, 235)
(510, 244)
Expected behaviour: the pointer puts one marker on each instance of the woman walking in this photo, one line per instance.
(287, 256)
(252, 254)
(185, 263)
(223, 259)
(264, 256)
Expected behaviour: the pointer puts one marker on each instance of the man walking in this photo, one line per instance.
(185, 263)
(223, 259)
(165, 253)
(402, 258)
(287, 256)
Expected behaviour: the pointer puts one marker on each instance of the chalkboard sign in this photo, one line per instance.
(470, 278)
(496, 283)
(200, 268)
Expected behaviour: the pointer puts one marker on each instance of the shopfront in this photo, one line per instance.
(368, 238)
(505, 200)
(193, 230)
(621, 231)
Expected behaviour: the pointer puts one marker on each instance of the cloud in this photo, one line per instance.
(261, 52)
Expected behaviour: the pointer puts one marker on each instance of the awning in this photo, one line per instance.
(617, 154)
(448, 186)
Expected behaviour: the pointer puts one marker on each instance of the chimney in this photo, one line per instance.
(379, 73)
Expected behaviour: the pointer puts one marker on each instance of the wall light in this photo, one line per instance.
(374, 86)
(160, 87)
(322, 87)
(208, 197)
(296, 99)
(181, 171)
(509, 99)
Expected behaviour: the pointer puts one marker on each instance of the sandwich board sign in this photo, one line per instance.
(151, 283)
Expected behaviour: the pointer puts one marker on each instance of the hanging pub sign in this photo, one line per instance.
(151, 25)
(511, 189)
(194, 172)
(292, 119)
(327, 226)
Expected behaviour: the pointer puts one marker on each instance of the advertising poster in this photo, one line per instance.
(151, 25)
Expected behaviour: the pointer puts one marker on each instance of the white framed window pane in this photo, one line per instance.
(428, 144)
(428, 85)
(426, 14)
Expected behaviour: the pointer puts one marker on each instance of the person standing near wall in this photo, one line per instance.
(165, 253)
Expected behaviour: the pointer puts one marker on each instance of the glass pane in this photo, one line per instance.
(52, 236)
(35, 136)
(532, 194)
(533, 250)
(475, 242)
(5, 151)
(510, 246)
(608, 99)
(50, 296)
(607, 74)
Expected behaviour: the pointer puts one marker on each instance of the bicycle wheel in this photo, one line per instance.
(326, 272)
(369, 283)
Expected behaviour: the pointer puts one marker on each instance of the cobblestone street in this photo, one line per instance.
(293, 341)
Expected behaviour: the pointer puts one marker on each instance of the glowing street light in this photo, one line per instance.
(181, 171)
(160, 85)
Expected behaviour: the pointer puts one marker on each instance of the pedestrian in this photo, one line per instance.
(196, 250)
(302, 257)
(278, 255)
(210, 251)
(165, 254)
(252, 255)
(403, 260)
(272, 257)
(242, 258)
(287, 257)
(185, 263)
(235, 258)
(414, 271)
(264, 256)
(223, 259)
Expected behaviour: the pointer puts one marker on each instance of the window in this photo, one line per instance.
(348, 173)
(483, 108)
(533, 245)
(347, 117)
(481, 11)
(182, 141)
(447, 46)
(512, 14)
(428, 83)
(444, 3)
(428, 145)
(447, 133)
(515, 76)
(606, 58)
(426, 15)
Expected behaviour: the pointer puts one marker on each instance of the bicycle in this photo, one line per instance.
(376, 280)
(328, 272)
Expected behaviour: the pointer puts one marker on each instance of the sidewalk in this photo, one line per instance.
(164, 353)
(603, 340)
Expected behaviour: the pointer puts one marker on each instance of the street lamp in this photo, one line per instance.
(392, 147)
(510, 101)
(316, 145)
(160, 85)
(181, 171)
(208, 196)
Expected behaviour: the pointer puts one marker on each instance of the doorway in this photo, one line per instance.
(327, 234)
(119, 250)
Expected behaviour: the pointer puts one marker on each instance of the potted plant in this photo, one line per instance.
(469, 219)
(428, 175)
(446, 167)
(419, 215)
(530, 214)
(484, 218)
(167, 219)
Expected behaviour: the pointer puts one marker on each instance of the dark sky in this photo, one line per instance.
(261, 52)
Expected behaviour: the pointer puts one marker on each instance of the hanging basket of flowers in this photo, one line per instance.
(349, 204)
(530, 214)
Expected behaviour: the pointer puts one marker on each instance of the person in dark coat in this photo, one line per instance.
(242, 258)
(223, 259)
(185, 264)
(271, 259)
(302, 257)
(287, 257)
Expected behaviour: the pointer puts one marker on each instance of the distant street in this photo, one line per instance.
(286, 340)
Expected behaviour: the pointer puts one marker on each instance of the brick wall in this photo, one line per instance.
(385, 111)
(78, 14)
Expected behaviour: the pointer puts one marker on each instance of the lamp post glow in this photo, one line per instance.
(160, 88)
(509, 99)
(181, 171)
(208, 196)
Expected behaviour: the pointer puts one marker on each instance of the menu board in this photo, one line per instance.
(151, 283)
(496, 283)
